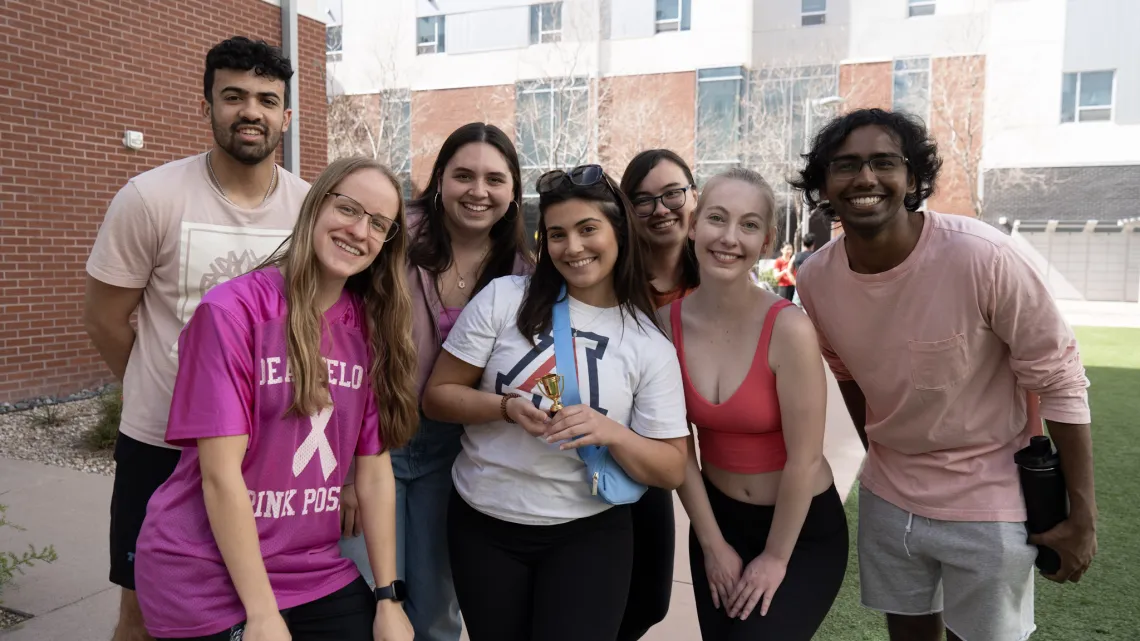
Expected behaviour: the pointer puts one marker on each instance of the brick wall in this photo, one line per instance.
(866, 85)
(435, 114)
(646, 112)
(957, 97)
(77, 73)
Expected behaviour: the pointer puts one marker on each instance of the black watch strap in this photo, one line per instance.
(394, 592)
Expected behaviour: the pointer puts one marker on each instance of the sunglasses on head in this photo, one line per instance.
(580, 176)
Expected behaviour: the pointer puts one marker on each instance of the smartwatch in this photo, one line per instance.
(395, 592)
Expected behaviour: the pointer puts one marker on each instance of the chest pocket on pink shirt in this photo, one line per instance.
(939, 365)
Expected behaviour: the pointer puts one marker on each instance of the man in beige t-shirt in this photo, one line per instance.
(169, 235)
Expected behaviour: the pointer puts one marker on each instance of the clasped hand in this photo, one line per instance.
(572, 427)
(737, 590)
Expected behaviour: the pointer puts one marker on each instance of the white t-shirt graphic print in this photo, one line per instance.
(626, 371)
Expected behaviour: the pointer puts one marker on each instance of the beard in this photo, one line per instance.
(243, 152)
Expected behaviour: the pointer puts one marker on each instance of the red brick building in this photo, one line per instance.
(74, 76)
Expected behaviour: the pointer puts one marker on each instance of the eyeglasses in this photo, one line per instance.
(351, 212)
(846, 168)
(673, 200)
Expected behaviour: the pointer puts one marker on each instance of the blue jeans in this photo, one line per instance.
(423, 489)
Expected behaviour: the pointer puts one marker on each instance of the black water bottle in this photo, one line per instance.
(1046, 499)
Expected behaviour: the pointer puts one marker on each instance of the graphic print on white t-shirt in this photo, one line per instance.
(213, 254)
(540, 361)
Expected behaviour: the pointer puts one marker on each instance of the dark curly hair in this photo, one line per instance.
(920, 150)
(242, 54)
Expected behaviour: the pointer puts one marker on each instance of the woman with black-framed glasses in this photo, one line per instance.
(664, 195)
(534, 552)
(663, 192)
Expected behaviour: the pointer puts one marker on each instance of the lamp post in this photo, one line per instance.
(810, 104)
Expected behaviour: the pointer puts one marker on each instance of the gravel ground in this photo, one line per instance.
(9, 619)
(61, 444)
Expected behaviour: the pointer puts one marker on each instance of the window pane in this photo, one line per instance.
(440, 25)
(922, 10)
(718, 119)
(535, 23)
(425, 30)
(912, 93)
(333, 38)
(1096, 89)
(813, 19)
(668, 10)
(1069, 97)
(807, 6)
(686, 15)
(552, 16)
(1095, 115)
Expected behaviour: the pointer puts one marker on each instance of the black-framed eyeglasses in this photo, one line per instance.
(846, 168)
(351, 212)
(673, 199)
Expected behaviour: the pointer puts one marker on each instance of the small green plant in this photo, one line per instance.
(47, 416)
(767, 276)
(12, 563)
(102, 434)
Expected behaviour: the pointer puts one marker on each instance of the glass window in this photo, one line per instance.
(552, 128)
(719, 110)
(813, 12)
(429, 35)
(1087, 96)
(911, 87)
(920, 8)
(545, 22)
(673, 15)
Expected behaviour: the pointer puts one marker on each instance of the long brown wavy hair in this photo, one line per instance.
(387, 304)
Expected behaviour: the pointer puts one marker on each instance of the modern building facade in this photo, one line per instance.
(1017, 92)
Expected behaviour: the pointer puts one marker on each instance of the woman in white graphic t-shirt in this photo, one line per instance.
(523, 511)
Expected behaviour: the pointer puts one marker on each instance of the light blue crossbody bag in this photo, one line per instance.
(608, 480)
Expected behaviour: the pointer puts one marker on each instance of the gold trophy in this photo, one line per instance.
(552, 386)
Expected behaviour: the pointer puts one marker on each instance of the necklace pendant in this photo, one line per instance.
(462, 283)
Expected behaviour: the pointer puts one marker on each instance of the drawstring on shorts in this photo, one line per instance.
(909, 522)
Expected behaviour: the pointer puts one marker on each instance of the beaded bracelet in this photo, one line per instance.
(503, 406)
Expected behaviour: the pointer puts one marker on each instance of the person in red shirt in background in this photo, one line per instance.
(785, 278)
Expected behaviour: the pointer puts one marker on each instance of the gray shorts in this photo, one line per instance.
(986, 568)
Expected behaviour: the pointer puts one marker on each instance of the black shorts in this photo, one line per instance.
(139, 471)
(344, 615)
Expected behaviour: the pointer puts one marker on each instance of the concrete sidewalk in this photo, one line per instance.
(72, 600)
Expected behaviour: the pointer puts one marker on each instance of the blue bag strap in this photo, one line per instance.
(564, 350)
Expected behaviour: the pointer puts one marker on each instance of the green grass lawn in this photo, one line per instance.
(1106, 603)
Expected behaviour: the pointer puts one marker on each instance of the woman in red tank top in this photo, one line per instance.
(768, 531)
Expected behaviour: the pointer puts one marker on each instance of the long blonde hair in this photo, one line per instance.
(387, 305)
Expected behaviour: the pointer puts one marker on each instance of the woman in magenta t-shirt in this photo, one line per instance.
(276, 396)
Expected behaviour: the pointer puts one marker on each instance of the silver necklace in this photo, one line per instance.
(218, 184)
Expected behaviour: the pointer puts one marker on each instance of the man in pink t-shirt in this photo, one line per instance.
(936, 328)
(169, 235)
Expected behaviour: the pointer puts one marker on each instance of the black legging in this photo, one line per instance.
(564, 582)
(651, 585)
(788, 292)
(815, 570)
